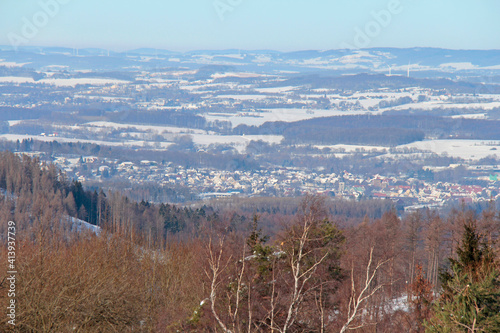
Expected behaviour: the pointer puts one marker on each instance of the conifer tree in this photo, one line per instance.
(470, 300)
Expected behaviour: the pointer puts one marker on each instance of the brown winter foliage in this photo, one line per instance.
(163, 268)
(102, 284)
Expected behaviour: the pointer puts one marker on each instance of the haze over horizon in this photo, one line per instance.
(251, 25)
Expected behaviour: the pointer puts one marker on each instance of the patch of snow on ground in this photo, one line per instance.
(16, 79)
(471, 116)
(276, 89)
(458, 65)
(242, 97)
(155, 128)
(466, 149)
(133, 143)
(353, 148)
(234, 56)
(287, 115)
(430, 105)
(14, 122)
(232, 74)
(238, 142)
(80, 225)
(74, 82)
(260, 58)
(12, 64)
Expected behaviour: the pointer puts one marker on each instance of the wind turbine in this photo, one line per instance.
(408, 74)
(390, 69)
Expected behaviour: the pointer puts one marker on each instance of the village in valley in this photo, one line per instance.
(226, 124)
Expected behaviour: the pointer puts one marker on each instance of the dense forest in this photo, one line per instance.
(388, 130)
(365, 81)
(308, 265)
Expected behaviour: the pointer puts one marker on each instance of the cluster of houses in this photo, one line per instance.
(211, 183)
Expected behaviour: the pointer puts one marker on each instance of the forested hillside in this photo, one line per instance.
(389, 130)
(309, 265)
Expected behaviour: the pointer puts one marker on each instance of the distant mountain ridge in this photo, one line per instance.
(394, 61)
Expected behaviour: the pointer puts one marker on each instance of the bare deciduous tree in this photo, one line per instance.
(357, 299)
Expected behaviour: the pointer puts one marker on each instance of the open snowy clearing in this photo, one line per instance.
(238, 142)
(12, 64)
(131, 144)
(269, 115)
(82, 226)
(153, 128)
(471, 116)
(431, 105)
(242, 97)
(61, 82)
(239, 75)
(14, 122)
(200, 138)
(74, 82)
(353, 148)
(16, 79)
(466, 149)
(273, 90)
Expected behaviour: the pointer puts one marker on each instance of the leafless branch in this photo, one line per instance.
(355, 302)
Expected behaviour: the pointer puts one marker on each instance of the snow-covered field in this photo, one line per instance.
(129, 143)
(153, 128)
(269, 115)
(16, 79)
(242, 97)
(353, 148)
(74, 82)
(238, 142)
(274, 90)
(61, 82)
(200, 137)
(471, 116)
(431, 105)
(466, 149)
(239, 75)
(12, 63)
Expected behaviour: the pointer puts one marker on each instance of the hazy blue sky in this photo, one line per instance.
(251, 24)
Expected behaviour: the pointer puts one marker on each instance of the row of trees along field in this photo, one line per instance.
(164, 268)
